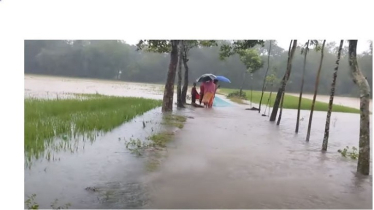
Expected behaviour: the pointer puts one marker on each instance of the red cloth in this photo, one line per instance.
(195, 93)
(201, 89)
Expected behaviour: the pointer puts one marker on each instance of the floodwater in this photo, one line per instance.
(225, 157)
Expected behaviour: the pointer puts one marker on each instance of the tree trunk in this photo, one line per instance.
(284, 82)
(359, 79)
(301, 89)
(315, 93)
(251, 87)
(167, 102)
(185, 81)
(328, 117)
(281, 109)
(269, 101)
(264, 82)
(179, 83)
(241, 87)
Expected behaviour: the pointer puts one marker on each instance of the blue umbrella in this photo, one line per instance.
(222, 79)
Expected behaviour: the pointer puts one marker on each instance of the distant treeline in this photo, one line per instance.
(119, 61)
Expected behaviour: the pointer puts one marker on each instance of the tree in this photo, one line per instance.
(359, 79)
(315, 92)
(179, 83)
(187, 45)
(165, 46)
(243, 49)
(252, 62)
(331, 101)
(284, 81)
(271, 80)
(264, 82)
(304, 51)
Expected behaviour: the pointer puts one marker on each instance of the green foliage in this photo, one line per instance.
(158, 46)
(236, 94)
(47, 119)
(228, 50)
(251, 59)
(353, 154)
(30, 202)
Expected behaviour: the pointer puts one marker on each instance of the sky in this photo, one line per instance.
(362, 45)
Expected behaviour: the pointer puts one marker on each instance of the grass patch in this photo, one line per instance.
(46, 119)
(237, 100)
(291, 102)
(174, 120)
(161, 139)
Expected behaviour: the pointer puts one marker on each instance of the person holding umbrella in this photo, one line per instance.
(201, 92)
(209, 90)
(215, 90)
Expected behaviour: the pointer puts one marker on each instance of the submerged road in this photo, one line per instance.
(227, 157)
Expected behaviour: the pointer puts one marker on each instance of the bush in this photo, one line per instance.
(237, 95)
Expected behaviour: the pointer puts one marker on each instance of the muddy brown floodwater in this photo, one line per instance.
(225, 157)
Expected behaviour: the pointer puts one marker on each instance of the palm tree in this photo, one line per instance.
(315, 93)
(327, 126)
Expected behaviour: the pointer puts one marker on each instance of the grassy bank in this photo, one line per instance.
(46, 119)
(291, 102)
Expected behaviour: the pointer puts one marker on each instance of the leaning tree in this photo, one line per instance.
(331, 101)
(284, 81)
(165, 46)
(315, 92)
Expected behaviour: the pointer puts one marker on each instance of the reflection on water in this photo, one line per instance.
(225, 157)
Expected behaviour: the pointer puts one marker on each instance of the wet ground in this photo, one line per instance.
(225, 157)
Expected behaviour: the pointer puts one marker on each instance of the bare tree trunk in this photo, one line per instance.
(167, 102)
(264, 82)
(315, 93)
(185, 81)
(179, 83)
(281, 109)
(284, 82)
(301, 89)
(251, 86)
(363, 165)
(241, 88)
(328, 117)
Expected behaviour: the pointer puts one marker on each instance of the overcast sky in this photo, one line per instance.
(362, 45)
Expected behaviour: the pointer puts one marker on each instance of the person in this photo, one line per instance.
(194, 94)
(201, 92)
(209, 89)
(214, 95)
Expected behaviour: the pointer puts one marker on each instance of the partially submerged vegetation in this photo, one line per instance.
(291, 102)
(347, 152)
(48, 119)
(155, 144)
(160, 139)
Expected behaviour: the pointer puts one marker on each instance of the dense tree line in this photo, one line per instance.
(109, 59)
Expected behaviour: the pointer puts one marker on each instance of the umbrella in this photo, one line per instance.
(222, 79)
(206, 77)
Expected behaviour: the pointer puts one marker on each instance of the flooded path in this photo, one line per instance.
(240, 160)
(225, 157)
